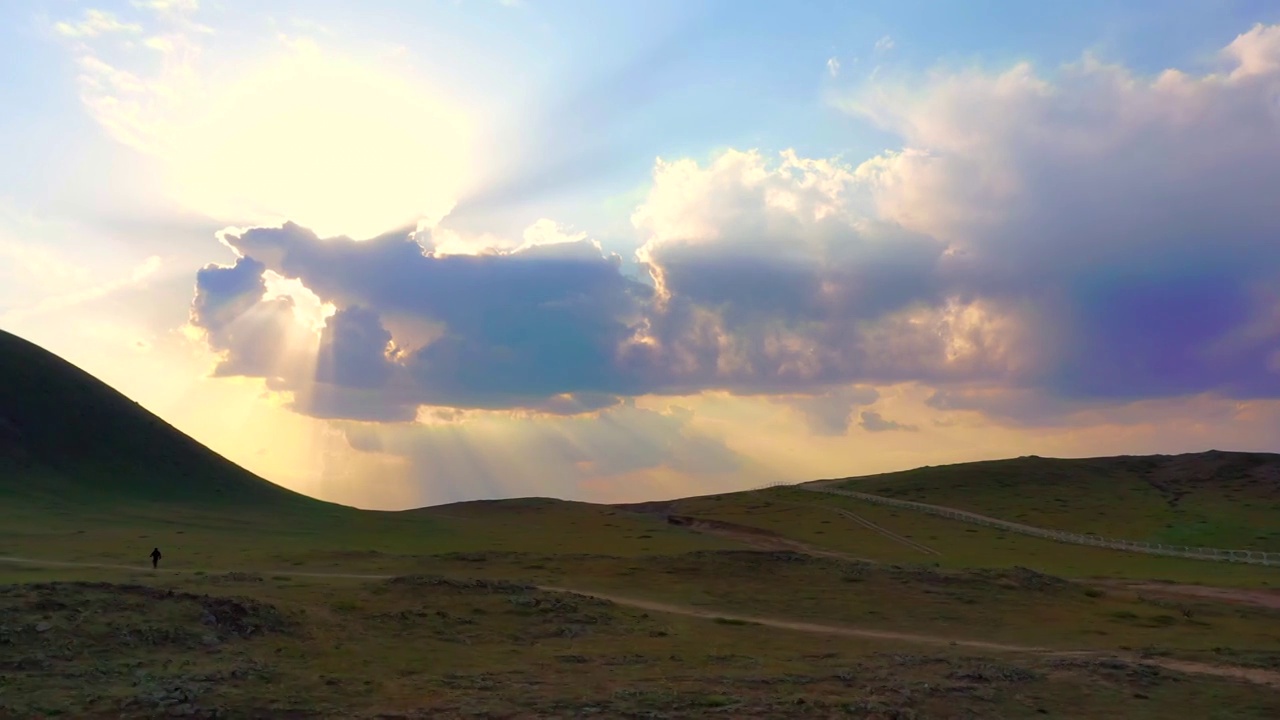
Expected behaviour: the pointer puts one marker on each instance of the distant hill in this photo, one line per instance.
(69, 437)
(1215, 498)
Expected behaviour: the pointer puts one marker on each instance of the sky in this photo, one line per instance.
(397, 253)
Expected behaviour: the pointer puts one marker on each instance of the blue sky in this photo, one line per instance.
(659, 247)
(621, 83)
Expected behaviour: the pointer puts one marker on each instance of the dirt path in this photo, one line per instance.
(1252, 675)
(1269, 599)
(1257, 676)
(184, 571)
(798, 626)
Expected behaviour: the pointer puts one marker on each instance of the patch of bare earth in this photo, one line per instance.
(1269, 599)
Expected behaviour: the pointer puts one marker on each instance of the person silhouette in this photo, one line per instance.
(155, 558)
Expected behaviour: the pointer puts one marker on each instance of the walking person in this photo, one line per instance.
(155, 558)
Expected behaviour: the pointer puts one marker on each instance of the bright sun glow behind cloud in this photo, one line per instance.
(274, 129)
(335, 146)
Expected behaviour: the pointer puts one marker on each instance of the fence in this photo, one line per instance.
(1255, 557)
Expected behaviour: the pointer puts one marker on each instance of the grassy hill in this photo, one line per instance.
(68, 436)
(1213, 499)
(86, 474)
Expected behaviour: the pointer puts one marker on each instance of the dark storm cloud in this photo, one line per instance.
(843, 273)
(225, 293)
(251, 333)
(353, 350)
(1160, 336)
(535, 328)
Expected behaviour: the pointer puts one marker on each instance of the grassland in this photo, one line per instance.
(458, 642)
(457, 629)
(811, 518)
(780, 603)
(1214, 499)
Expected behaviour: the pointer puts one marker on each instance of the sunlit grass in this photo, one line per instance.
(1140, 500)
(809, 517)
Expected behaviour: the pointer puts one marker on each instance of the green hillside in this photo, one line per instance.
(1213, 499)
(67, 436)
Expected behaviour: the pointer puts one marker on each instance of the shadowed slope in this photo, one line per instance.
(87, 474)
(68, 436)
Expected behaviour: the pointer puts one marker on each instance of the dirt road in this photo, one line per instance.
(1252, 675)
(1269, 599)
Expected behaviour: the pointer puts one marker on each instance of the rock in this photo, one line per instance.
(43, 627)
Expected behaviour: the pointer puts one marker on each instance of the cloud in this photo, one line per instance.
(486, 454)
(353, 350)
(1090, 236)
(246, 137)
(1023, 407)
(136, 105)
(38, 264)
(884, 44)
(95, 23)
(36, 261)
(1120, 222)
(874, 422)
(535, 327)
(831, 413)
(168, 6)
(252, 333)
(833, 66)
(773, 277)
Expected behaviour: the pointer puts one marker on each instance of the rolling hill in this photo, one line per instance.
(1213, 499)
(67, 435)
(88, 474)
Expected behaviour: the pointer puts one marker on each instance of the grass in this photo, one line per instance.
(462, 634)
(1015, 606)
(810, 517)
(372, 542)
(443, 644)
(1214, 499)
(452, 646)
